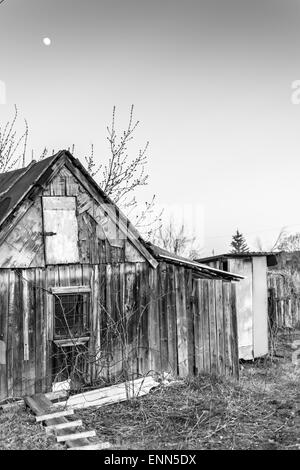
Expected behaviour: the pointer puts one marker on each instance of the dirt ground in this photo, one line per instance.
(262, 411)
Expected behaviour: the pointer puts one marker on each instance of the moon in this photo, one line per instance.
(47, 41)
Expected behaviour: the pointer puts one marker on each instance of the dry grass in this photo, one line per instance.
(206, 413)
(259, 412)
(19, 431)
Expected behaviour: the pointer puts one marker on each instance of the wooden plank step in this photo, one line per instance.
(56, 414)
(37, 405)
(69, 424)
(99, 446)
(40, 404)
(78, 435)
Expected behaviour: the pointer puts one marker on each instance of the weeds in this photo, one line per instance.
(204, 412)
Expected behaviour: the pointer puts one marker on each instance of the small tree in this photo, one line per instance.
(238, 243)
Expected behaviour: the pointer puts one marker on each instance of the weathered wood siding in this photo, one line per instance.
(283, 301)
(142, 319)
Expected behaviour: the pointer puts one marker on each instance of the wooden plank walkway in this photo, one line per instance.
(44, 409)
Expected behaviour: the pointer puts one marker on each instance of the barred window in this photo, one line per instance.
(71, 316)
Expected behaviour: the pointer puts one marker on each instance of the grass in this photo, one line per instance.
(208, 413)
(19, 431)
(260, 412)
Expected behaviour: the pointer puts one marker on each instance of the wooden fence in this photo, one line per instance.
(142, 318)
(283, 301)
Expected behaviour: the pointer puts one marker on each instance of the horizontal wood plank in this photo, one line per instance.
(99, 446)
(75, 436)
(70, 424)
(56, 414)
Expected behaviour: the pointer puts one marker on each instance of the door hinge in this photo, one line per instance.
(48, 234)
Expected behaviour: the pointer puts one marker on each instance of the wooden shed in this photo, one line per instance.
(252, 298)
(84, 298)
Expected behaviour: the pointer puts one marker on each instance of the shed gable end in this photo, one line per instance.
(52, 232)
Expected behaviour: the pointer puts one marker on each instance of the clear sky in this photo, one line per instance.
(211, 84)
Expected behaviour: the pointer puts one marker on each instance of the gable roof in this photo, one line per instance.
(16, 186)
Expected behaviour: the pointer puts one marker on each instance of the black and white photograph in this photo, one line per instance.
(149, 228)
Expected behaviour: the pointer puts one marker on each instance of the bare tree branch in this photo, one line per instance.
(121, 176)
(12, 147)
(287, 241)
(175, 239)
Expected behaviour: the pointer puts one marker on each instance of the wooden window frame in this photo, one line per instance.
(71, 290)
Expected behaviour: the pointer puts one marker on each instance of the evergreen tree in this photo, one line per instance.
(238, 243)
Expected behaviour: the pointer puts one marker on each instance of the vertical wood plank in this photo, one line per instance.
(206, 329)
(227, 326)
(10, 333)
(38, 334)
(198, 327)
(220, 326)
(190, 320)
(171, 320)
(109, 324)
(234, 336)
(182, 329)
(212, 328)
(102, 361)
(18, 351)
(117, 320)
(31, 371)
(144, 312)
(153, 325)
(4, 283)
(26, 315)
(123, 322)
(25, 303)
(162, 302)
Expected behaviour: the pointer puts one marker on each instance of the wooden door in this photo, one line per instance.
(60, 230)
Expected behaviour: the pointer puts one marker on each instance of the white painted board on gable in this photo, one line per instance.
(61, 229)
